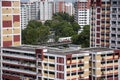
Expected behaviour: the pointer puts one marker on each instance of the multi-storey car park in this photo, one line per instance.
(47, 63)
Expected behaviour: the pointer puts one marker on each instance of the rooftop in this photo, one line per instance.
(54, 50)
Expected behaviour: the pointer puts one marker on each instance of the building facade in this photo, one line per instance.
(10, 23)
(46, 10)
(115, 24)
(59, 6)
(100, 23)
(25, 14)
(43, 63)
(82, 10)
(40, 10)
(69, 8)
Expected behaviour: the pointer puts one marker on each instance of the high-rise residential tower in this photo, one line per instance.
(100, 23)
(115, 24)
(25, 14)
(46, 10)
(10, 23)
(69, 8)
(82, 9)
(59, 6)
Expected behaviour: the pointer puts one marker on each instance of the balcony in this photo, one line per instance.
(113, 31)
(103, 73)
(103, 12)
(102, 31)
(107, 31)
(45, 74)
(19, 63)
(19, 70)
(68, 61)
(116, 57)
(51, 68)
(45, 67)
(19, 56)
(107, 12)
(113, 38)
(51, 75)
(107, 25)
(109, 57)
(103, 18)
(45, 59)
(103, 58)
(103, 5)
(52, 60)
(74, 61)
(110, 72)
(112, 45)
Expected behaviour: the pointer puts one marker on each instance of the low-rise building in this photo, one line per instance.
(48, 63)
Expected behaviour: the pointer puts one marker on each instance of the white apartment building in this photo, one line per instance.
(69, 8)
(82, 12)
(25, 14)
(46, 10)
(36, 10)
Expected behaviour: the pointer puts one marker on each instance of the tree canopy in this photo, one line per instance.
(62, 24)
(82, 38)
(35, 33)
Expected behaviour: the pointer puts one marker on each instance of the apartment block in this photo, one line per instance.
(115, 24)
(10, 23)
(104, 65)
(82, 10)
(46, 10)
(59, 6)
(100, 23)
(69, 8)
(28, 62)
(25, 14)
(40, 10)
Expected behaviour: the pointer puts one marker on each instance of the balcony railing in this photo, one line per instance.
(19, 56)
(19, 70)
(19, 63)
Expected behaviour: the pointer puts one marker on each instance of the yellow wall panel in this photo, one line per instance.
(16, 3)
(86, 66)
(16, 31)
(7, 17)
(86, 58)
(98, 64)
(16, 10)
(98, 57)
(98, 72)
(16, 24)
(86, 74)
(16, 43)
(6, 10)
(7, 31)
(7, 38)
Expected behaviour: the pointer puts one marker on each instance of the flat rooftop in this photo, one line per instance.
(54, 50)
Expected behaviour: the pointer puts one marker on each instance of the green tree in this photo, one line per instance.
(63, 24)
(83, 38)
(43, 33)
(67, 31)
(75, 26)
(34, 24)
(34, 33)
(29, 36)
